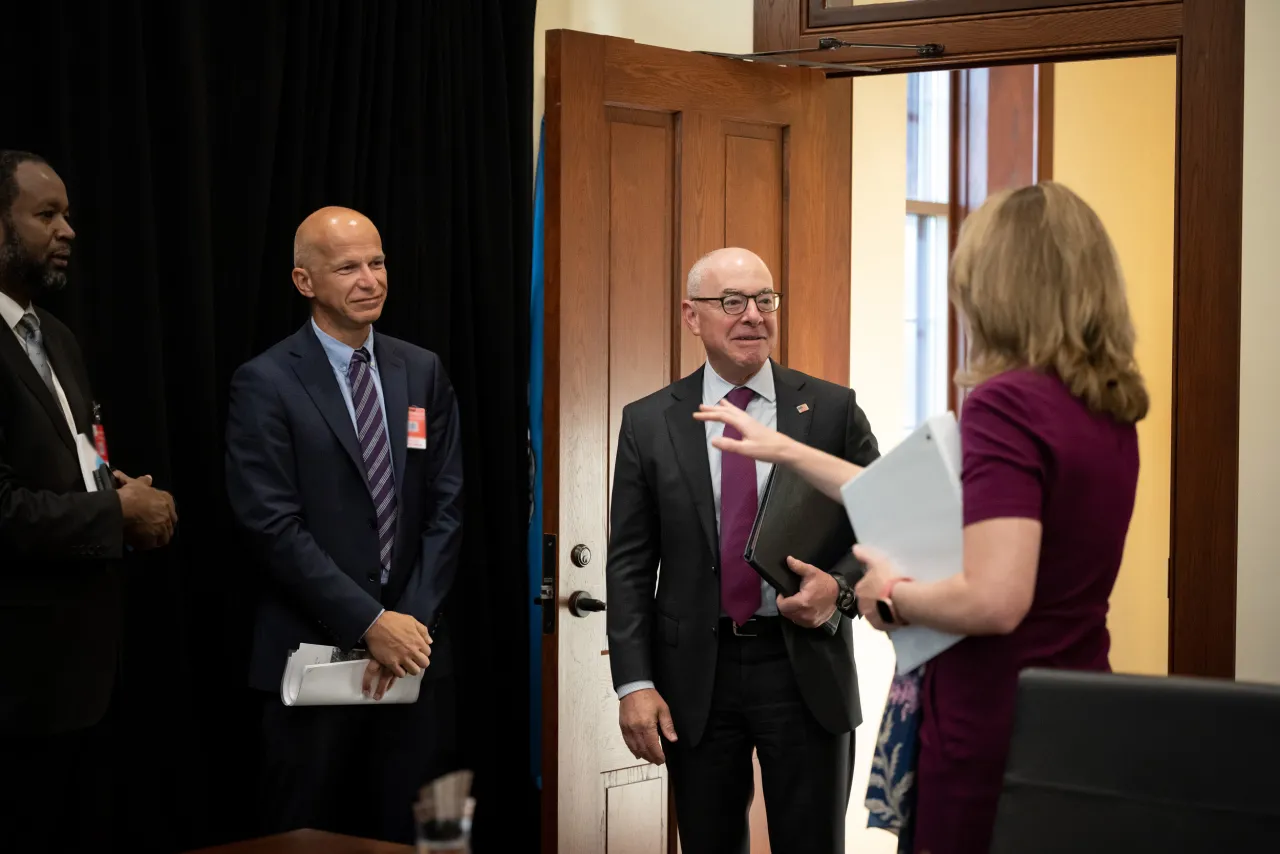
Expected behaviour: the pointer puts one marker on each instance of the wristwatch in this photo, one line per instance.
(846, 599)
(884, 605)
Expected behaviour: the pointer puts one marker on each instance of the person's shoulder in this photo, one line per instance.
(49, 322)
(407, 350)
(52, 328)
(267, 364)
(813, 385)
(657, 402)
(1021, 395)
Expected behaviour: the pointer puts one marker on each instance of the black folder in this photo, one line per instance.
(795, 519)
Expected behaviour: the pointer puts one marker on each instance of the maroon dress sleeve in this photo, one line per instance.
(1002, 468)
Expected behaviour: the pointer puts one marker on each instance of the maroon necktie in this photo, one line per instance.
(739, 584)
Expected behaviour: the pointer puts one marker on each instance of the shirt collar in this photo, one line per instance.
(11, 311)
(340, 354)
(715, 387)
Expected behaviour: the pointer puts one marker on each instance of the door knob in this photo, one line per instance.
(581, 603)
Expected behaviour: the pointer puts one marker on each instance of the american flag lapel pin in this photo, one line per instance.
(804, 407)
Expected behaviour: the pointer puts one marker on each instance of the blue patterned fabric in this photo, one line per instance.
(891, 791)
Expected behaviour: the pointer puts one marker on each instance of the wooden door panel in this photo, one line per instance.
(753, 169)
(702, 213)
(754, 208)
(642, 287)
(635, 794)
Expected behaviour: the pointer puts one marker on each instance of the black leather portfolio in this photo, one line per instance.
(795, 519)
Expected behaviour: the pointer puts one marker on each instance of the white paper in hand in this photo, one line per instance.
(313, 678)
(907, 506)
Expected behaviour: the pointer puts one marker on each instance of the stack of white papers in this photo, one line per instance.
(907, 506)
(318, 675)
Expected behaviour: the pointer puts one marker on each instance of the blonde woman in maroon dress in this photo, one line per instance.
(1049, 473)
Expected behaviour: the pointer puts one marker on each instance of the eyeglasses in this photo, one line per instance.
(766, 302)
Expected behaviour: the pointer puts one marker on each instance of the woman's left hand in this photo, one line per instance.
(869, 590)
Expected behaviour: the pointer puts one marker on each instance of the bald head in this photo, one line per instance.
(732, 307)
(326, 228)
(721, 265)
(340, 267)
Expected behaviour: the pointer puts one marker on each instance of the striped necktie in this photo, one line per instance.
(29, 328)
(375, 447)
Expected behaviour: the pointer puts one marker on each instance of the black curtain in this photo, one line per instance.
(194, 137)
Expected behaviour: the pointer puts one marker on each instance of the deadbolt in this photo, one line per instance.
(581, 555)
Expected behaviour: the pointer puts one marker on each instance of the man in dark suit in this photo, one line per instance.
(706, 663)
(60, 538)
(344, 464)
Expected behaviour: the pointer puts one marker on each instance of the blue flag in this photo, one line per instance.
(535, 472)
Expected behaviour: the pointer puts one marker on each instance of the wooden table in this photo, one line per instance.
(309, 842)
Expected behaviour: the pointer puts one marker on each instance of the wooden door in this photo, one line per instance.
(655, 157)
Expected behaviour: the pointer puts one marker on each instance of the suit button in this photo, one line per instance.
(715, 630)
(715, 568)
(373, 523)
(373, 576)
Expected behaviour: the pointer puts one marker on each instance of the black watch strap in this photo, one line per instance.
(846, 599)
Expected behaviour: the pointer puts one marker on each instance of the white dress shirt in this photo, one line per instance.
(12, 314)
(763, 408)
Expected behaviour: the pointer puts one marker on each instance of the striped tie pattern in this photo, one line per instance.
(375, 447)
(29, 329)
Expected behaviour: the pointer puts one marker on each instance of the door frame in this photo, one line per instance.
(1207, 37)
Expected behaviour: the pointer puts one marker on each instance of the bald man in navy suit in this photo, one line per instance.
(344, 464)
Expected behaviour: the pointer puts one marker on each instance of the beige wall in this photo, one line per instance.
(1114, 140)
(877, 367)
(1258, 567)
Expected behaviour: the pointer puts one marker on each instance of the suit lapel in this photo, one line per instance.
(60, 362)
(689, 438)
(395, 394)
(13, 353)
(795, 408)
(313, 369)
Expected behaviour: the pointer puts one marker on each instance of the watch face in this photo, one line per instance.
(886, 613)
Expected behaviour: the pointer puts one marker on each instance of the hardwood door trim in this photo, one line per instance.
(1206, 348)
(819, 15)
(1208, 38)
(1101, 30)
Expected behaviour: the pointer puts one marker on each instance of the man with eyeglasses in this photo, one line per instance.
(708, 664)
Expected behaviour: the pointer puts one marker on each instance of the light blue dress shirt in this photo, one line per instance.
(340, 360)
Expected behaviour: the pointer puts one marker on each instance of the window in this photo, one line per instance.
(926, 332)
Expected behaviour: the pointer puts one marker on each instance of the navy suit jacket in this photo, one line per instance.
(296, 481)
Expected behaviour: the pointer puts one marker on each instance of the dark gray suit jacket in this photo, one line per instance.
(60, 588)
(663, 628)
(296, 480)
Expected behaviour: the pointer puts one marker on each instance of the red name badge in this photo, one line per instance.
(100, 442)
(417, 428)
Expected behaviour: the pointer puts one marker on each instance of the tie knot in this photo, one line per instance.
(360, 356)
(740, 397)
(29, 326)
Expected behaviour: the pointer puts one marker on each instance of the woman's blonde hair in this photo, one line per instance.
(1037, 281)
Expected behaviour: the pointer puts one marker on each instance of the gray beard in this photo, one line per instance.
(20, 268)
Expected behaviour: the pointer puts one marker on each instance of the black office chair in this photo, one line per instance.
(1104, 763)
